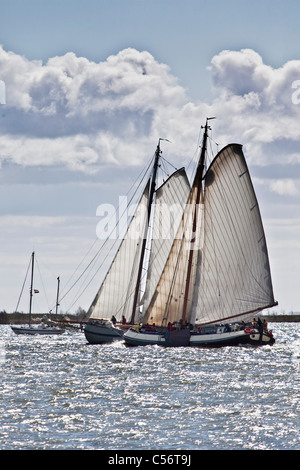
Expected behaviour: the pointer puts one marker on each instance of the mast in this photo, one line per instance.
(151, 195)
(198, 185)
(31, 287)
(57, 296)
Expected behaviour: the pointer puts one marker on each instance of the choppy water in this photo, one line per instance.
(62, 393)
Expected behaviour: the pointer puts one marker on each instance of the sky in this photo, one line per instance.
(88, 87)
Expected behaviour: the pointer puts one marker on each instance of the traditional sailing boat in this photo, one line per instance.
(217, 272)
(45, 327)
(119, 293)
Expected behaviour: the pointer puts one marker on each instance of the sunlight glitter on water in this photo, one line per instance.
(65, 394)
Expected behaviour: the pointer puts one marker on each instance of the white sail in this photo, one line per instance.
(235, 275)
(168, 299)
(169, 205)
(116, 294)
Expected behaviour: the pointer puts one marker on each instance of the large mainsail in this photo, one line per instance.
(235, 274)
(115, 296)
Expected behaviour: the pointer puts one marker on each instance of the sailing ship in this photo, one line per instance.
(119, 295)
(216, 274)
(45, 327)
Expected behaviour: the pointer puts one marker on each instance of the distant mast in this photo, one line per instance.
(31, 287)
(57, 296)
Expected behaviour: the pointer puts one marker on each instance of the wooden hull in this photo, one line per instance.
(134, 338)
(99, 334)
(192, 339)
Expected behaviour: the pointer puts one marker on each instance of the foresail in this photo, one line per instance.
(170, 201)
(235, 274)
(168, 299)
(115, 296)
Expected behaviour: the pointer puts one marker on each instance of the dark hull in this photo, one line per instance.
(185, 338)
(101, 334)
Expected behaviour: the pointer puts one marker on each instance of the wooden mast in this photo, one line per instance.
(198, 185)
(151, 195)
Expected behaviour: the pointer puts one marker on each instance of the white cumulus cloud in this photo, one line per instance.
(82, 114)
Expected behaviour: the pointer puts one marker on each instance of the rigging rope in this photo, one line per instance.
(93, 260)
(40, 275)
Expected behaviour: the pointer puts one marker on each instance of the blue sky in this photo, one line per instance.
(66, 147)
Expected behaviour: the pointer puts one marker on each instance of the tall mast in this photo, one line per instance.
(31, 286)
(151, 195)
(198, 185)
(57, 295)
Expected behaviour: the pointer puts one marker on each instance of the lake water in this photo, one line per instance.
(62, 393)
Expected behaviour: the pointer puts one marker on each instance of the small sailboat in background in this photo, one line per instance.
(45, 327)
(217, 272)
